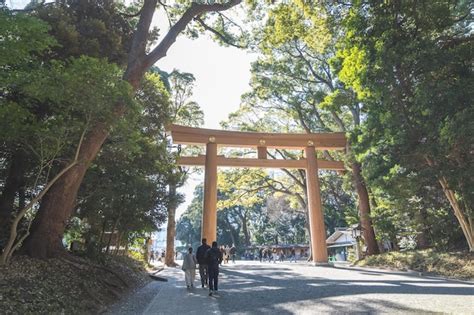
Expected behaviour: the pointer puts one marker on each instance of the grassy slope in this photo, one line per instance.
(75, 286)
(459, 265)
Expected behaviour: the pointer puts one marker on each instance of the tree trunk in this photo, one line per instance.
(394, 244)
(114, 226)
(466, 223)
(45, 239)
(126, 244)
(245, 230)
(364, 209)
(21, 198)
(171, 229)
(231, 229)
(101, 238)
(422, 241)
(13, 184)
(118, 243)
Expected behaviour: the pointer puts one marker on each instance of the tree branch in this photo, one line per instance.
(223, 37)
(194, 10)
(140, 38)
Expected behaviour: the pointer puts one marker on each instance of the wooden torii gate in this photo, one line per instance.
(221, 138)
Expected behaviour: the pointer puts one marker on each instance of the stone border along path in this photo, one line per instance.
(284, 288)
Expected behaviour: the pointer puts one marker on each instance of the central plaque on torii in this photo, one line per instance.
(309, 142)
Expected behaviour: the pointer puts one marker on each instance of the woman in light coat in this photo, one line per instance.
(189, 268)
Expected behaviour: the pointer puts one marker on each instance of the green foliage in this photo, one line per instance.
(45, 106)
(15, 50)
(407, 63)
(188, 227)
(287, 22)
(93, 28)
(247, 213)
(126, 187)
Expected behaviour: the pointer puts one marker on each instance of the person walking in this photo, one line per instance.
(189, 268)
(293, 255)
(201, 258)
(233, 251)
(226, 254)
(213, 258)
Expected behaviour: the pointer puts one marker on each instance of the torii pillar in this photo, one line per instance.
(315, 211)
(209, 211)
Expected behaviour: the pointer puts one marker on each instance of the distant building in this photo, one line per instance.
(339, 242)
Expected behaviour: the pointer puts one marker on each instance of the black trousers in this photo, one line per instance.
(213, 272)
(203, 273)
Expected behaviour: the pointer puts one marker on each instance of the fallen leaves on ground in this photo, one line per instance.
(67, 285)
(457, 265)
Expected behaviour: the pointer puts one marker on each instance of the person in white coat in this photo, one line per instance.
(189, 268)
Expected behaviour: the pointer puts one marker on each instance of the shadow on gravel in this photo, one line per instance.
(263, 289)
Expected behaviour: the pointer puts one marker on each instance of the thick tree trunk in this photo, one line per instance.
(364, 208)
(171, 228)
(47, 230)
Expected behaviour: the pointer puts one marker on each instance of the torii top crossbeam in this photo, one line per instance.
(225, 138)
(259, 140)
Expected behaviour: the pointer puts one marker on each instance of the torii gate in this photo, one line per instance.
(309, 142)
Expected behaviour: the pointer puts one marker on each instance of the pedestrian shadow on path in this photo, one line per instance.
(257, 289)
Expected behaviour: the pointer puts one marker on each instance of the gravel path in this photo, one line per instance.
(284, 288)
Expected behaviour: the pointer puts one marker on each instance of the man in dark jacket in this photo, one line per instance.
(233, 251)
(213, 258)
(201, 258)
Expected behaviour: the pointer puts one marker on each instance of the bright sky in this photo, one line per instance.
(222, 76)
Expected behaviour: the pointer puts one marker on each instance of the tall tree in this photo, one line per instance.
(185, 112)
(293, 77)
(409, 61)
(42, 119)
(56, 206)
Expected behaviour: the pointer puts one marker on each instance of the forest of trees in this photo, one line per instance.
(396, 78)
(83, 110)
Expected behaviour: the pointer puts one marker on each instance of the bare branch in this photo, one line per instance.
(131, 15)
(223, 37)
(165, 7)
